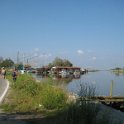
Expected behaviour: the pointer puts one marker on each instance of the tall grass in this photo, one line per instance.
(83, 111)
(26, 84)
(27, 95)
(53, 97)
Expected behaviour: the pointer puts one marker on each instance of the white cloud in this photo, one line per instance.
(80, 52)
(35, 54)
(45, 55)
(49, 55)
(36, 49)
(94, 58)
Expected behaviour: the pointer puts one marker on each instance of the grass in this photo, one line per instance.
(28, 96)
(53, 97)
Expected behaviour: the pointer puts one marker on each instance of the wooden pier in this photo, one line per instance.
(116, 102)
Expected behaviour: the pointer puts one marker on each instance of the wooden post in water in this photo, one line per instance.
(111, 88)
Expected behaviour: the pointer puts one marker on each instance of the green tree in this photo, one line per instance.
(19, 67)
(60, 62)
(7, 63)
(67, 63)
(117, 68)
(50, 65)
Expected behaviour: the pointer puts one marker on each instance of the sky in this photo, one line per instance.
(89, 33)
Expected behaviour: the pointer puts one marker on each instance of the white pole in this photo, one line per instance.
(111, 88)
(23, 61)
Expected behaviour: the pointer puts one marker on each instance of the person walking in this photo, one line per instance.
(3, 72)
(14, 75)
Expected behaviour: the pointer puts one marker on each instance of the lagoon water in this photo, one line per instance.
(101, 80)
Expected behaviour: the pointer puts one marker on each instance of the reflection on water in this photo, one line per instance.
(101, 80)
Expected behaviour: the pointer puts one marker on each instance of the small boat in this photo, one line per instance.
(77, 73)
(64, 74)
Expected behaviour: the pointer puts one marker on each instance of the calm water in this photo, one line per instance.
(101, 80)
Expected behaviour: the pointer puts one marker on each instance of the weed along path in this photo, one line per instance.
(4, 86)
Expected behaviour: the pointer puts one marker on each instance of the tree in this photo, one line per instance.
(60, 62)
(67, 63)
(50, 65)
(7, 63)
(19, 66)
(117, 68)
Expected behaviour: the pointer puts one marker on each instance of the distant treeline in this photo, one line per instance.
(118, 70)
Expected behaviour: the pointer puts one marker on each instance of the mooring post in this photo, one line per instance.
(111, 88)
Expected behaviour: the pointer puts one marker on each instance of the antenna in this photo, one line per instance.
(18, 58)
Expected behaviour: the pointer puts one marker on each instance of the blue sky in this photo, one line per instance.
(90, 33)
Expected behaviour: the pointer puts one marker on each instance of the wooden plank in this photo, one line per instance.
(108, 98)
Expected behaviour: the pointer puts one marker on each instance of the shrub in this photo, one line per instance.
(27, 95)
(26, 84)
(53, 97)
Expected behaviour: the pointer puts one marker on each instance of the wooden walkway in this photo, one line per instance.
(108, 98)
(116, 102)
